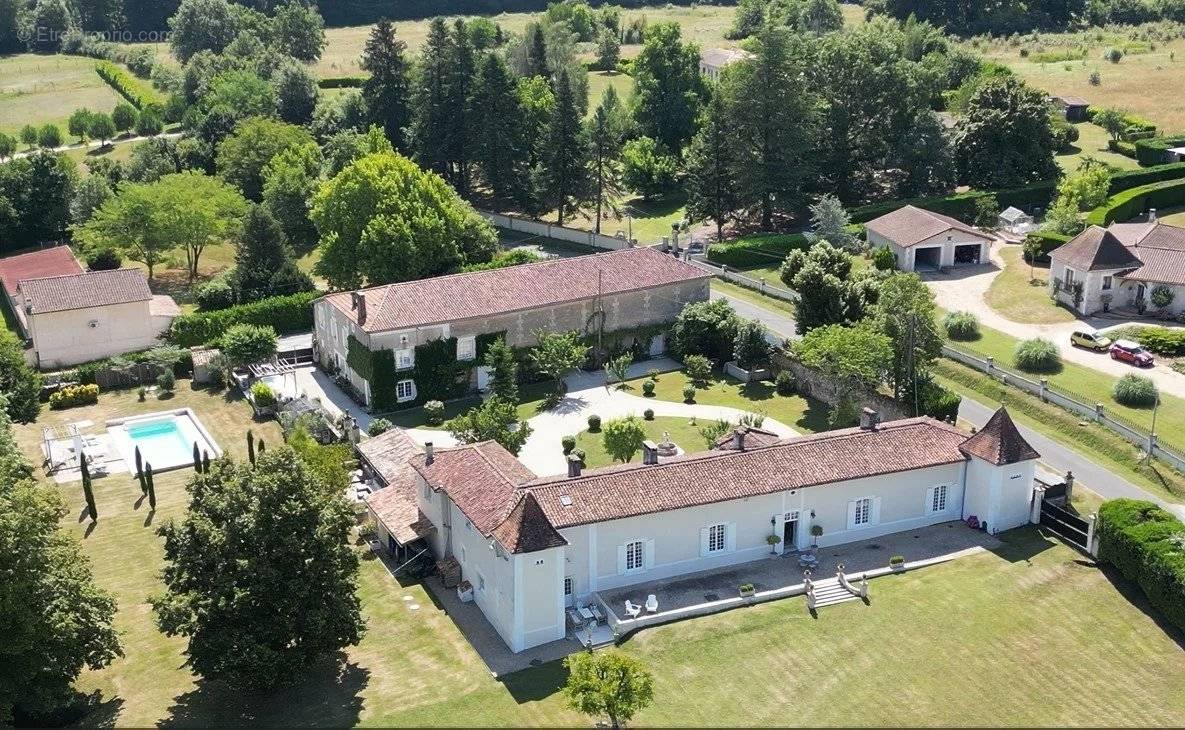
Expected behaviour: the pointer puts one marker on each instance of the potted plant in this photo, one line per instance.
(772, 541)
(747, 590)
(816, 533)
(897, 562)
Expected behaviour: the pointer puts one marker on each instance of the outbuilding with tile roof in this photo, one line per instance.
(923, 240)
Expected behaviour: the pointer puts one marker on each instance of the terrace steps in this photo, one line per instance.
(830, 592)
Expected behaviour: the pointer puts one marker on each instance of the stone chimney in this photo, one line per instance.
(429, 454)
(358, 304)
(649, 452)
(869, 418)
(1152, 215)
(738, 438)
(573, 465)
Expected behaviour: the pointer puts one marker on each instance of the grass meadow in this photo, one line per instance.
(44, 89)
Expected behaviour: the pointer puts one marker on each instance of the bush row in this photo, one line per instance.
(1128, 204)
(364, 12)
(74, 395)
(1152, 151)
(127, 86)
(285, 314)
(766, 249)
(1162, 340)
(1143, 542)
(341, 82)
(1119, 147)
(1049, 241)
(1133, 127)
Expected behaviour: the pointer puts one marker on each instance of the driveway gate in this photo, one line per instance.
(1067, 525)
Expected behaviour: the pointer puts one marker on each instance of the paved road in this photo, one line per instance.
(778, 323)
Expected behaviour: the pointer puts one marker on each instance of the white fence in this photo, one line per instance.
(1096, 412)
(759, 285)
(559, 233)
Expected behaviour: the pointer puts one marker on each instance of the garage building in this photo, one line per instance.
(926, 241)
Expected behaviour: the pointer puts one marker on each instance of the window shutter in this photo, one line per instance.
(928, 505)
(876, 511)
(730, 537)
(851, 514)
(703, 542)
(649, 554)
(621, 559)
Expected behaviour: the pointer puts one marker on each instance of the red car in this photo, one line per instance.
(1130, 352)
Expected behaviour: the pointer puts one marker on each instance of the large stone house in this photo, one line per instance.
(531, 546)
(70, 316)
(925, 241)
(1120, 266)
(631, 294)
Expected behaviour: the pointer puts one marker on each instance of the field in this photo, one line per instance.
(36, 89)
(1021, 299)
(1138, 83)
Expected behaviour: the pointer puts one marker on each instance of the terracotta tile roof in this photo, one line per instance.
(909, 225)
(395, 505)
(55, 261)
(1095, 249)
(515, 288)
(526, 529)
(480, 479)
(85, 290)
(755, 438)
(717, 476)
(999, 442)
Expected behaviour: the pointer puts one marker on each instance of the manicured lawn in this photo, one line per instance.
(598, 81)
(798, 412)
(46, 89)
(1173, 216)
(685, 434)
(115, 153)
(1023, 299)
(772, 272)
(531, 400)
(1092, 142)
(648, 220)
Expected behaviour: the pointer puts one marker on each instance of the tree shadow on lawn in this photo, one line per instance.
(536, 683)
(329, 695)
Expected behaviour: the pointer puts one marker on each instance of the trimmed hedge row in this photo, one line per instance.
(1144, 542)
(341, 82)
(759, 250)
(127, 86)
(1130, 203)
(1049, 241)
(285, 314)
(1151, 151)
(1129, 179)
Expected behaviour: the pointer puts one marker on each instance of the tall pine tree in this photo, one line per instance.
(565, 172)
(430, 117)
(459, 92)
(388, 89)
(605, 135)
(711, 177)
(497, 139)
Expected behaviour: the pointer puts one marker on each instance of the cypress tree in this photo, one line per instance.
(140, 471)
(251, 447)
(605, 144)
(151, 487)
(262, 447)
(205, 462)
(711, 168)
(431, 123)
(197, 458)
(87, 491)
(537, 55)
(462, 75)
(565, 172)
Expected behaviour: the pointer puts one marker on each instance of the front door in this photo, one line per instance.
(789, 530)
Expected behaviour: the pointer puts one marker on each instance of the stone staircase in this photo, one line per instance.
(835, 590)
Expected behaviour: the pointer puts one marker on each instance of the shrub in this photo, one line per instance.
(962, 326)
(1131, 202)
(215, 294)
(699, 368)
(1162, 340)
(1143, 541)
(756, 250)
(378, 427)
(594, 423)
(166, 381)
(74, 395)
(263, 395)
(648, 387)
(884, 259)
(897, 560)
(784, 383)
(1135, 391)
(568, 443)
(1037, 355)
(244, 344)
(286, 314)
(648, 414)
(103, 259)
(434, 412)
(689, 393)
(127, 86)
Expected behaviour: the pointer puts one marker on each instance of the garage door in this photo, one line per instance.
(927, 259)
(968, 253)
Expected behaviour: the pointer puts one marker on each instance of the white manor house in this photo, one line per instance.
(530, 547)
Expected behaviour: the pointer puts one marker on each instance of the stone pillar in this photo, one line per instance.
(1044, 382)
(1069, 479)
(666, 243)
(1098, 411)
(1035, 507)
(991, 364)
(1091, 523)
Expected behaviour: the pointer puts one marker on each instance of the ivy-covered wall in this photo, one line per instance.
(377, 368)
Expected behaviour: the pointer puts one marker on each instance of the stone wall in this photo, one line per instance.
(815, 384)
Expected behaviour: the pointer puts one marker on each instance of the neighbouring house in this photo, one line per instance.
(73, 316)
(1015, 221)
(391, 342)
(926, 241)
(1073, 108)
(531, 546)
(1120, 266)
(399, 525)
(713, 61)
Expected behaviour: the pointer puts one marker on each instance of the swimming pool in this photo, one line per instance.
(165, 439)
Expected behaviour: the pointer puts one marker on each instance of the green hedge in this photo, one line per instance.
(286, 314)
(341, 82)
(1151, 151)
(766, 249)
(1049, 241)
(1131, 203)
(1162, 340)
(1129, 179)
(1144, 542)
(962, 205)
(127, 86)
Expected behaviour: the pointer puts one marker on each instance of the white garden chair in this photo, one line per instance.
(651, 603)
(632, 609)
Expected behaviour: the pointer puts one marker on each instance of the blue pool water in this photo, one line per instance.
(161, 442)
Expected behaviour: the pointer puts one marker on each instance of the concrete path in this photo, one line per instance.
(588, 394)
(778, 323)
(966, 289)
(1060, 458)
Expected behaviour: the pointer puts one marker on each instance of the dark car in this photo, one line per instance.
(1130, 352)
